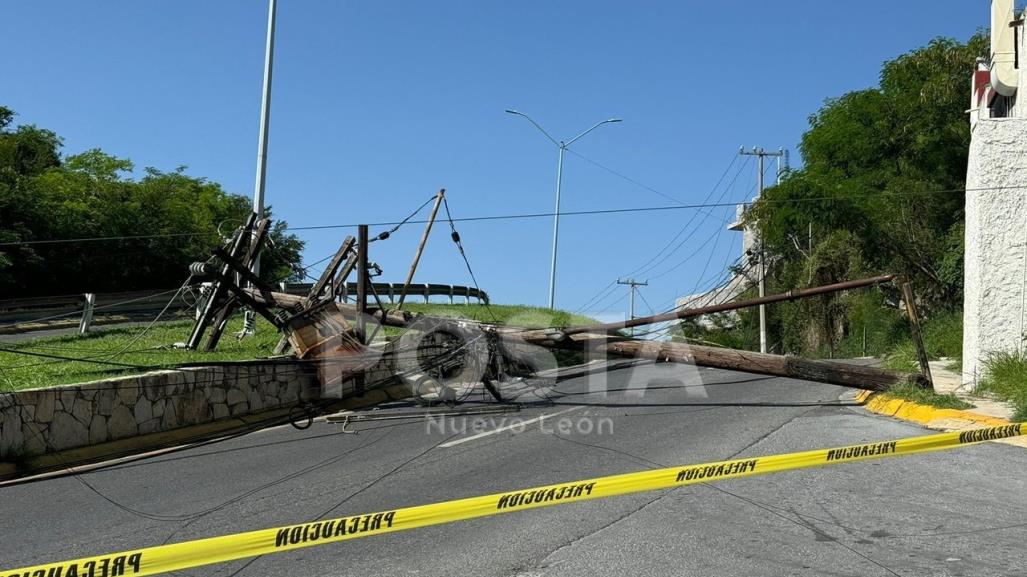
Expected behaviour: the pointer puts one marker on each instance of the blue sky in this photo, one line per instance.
(377, 105)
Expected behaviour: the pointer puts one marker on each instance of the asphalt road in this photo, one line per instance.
(953, 513)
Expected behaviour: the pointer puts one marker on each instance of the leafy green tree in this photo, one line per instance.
(162, 222)
(881, 188)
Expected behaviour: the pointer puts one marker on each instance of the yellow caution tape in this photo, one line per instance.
(165, 558)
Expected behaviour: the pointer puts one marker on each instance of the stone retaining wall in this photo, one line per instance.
(39, 421)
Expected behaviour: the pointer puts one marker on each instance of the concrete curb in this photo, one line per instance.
(80, 459)
(931, 417)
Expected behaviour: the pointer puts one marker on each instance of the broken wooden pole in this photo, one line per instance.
(420, 247)
(831, 372)
(915, 332)
(255, 244)
(843, 374)
(362, 283)
(328, 276)
(217, 293)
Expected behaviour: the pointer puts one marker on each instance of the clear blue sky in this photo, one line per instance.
(376, 105)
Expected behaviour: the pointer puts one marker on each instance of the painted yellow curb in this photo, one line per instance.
(930, 417)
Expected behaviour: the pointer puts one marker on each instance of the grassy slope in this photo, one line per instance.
(153, 348)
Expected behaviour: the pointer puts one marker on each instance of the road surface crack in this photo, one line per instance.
(544, 563)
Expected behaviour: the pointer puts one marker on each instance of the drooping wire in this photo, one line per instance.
(650, 264)
(460, 246)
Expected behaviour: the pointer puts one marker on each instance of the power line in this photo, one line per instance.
(651, 265)
(626, 178)
(720, 230)
(734, 158)
(97, 238)
(562, 213)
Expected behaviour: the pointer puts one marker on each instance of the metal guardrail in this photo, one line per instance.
(391, 291)
(146, 304)
(133, 304)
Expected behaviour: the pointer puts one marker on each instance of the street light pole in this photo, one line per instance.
(265, 115)
(562, 146)
(249, 324)
(556, 229)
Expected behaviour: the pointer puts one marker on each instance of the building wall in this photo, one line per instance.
(995, 245)
(995, 242)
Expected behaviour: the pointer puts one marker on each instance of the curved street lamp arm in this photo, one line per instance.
(595, 126)
(542, 130)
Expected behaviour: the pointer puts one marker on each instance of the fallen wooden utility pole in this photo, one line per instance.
(832, 372)
(835, 373)
(688, 313)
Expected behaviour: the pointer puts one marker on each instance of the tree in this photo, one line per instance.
(881, 186)
(162, 222)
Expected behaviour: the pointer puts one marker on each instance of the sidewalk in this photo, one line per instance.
(984, 413)
(946, 381)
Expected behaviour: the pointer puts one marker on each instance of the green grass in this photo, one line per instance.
(1005, 376)
(928, 397)
(154, 348)
(120, 345)
(902, 358)
(516, 315)
(943, 337)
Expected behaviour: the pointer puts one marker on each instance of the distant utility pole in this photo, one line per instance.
(634, 284)
(760, 154)
(265, 118)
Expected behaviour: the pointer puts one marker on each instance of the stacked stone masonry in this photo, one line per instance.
(39, 421)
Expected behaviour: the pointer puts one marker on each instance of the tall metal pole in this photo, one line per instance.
(556, 228)
(265, 115)
(249, 319)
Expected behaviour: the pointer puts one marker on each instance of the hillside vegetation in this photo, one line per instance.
(880, 191)
(162, 221)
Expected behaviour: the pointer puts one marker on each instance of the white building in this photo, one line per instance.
(995, 282)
